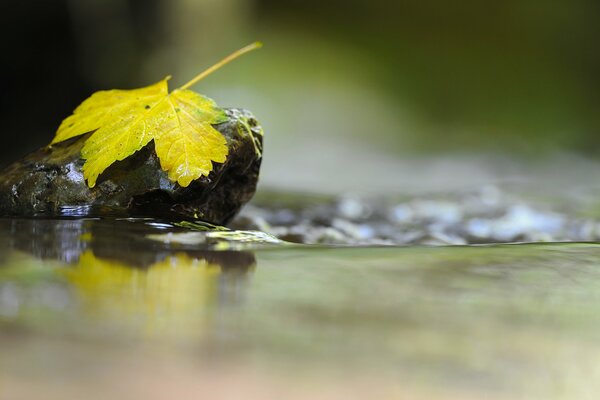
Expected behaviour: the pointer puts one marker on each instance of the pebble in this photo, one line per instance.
(483, 215)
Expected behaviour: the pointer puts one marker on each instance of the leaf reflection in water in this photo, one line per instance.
(168, 298)
(116, 281)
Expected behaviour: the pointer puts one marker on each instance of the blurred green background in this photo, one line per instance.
(343, 88)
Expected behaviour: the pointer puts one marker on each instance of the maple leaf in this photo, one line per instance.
(124, 121)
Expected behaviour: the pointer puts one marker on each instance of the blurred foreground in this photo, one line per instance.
(93, 313)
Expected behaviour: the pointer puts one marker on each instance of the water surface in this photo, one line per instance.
(133, 308)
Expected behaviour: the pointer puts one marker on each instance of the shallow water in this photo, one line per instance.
(144, 309)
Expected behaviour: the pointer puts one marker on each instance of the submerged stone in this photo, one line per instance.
(478, 216)
(49, 182)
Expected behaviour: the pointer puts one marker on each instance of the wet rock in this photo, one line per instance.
(49, 182)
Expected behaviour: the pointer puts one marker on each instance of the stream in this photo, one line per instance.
(125, 308)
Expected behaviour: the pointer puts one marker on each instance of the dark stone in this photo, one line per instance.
(49, 182)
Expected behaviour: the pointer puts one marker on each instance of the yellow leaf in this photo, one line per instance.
(189, 144)
(105, 105)
(124, 121)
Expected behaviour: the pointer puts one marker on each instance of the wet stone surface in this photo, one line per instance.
(484, 215)
(50, 183)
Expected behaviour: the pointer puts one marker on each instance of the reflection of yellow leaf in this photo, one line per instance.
(170, 296)
(124, 121)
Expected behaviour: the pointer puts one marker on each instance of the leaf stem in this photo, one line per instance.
(226, 60)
